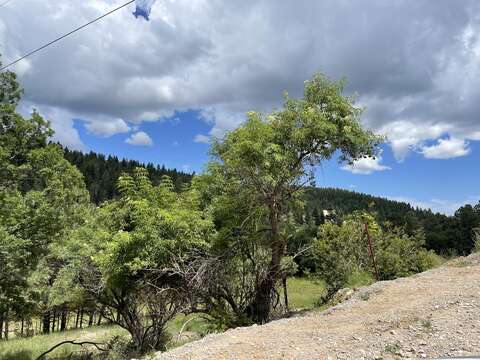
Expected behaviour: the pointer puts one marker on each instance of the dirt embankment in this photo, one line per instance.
(429, 315)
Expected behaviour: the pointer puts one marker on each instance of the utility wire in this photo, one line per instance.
(4, 3)
(64, 36)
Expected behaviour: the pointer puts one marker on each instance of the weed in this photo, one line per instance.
(365, 296)
(461, 263)
(426, 324)
(393, 348)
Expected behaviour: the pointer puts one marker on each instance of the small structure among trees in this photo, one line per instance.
(329, 215)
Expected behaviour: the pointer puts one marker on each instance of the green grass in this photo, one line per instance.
(32, 347)
(193, 322)
(359, 278)
(304, 293)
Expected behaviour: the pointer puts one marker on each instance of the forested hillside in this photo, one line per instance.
(444, 234)
(101, 173)
(345, 201)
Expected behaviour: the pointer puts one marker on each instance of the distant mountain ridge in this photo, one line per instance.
(101, 172)
(441, 231)
(444, 234)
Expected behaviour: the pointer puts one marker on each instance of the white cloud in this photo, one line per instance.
(23, 67)
(223, 120)
(61, 121)
(200, 138)
(366, 166)
(447, 207)
(140, 139)
(107, 128)
(174, 121)
(446, 149)
(407, 136)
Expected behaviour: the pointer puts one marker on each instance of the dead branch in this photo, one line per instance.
(72, 342)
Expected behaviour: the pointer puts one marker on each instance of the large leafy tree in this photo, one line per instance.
(40, 194)
(270, 158)
(129, 255)
(10, 90)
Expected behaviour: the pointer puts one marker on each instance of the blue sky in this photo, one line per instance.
(440, 184)
(172, 145)
(127, 86)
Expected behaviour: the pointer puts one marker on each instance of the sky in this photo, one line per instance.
(158, 90)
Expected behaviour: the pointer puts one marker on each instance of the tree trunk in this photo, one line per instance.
(54, 320)
(77, 318)
(144, 340)
(90, 318)
(21, 329)
(81, 318)
(1, 326)
(46, 322)
(6, 326)
(285, 292)
(63, 322)
(259, 310)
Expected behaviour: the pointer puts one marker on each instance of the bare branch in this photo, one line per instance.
(72, 342)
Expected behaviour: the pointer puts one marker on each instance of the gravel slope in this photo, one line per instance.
(429, 315)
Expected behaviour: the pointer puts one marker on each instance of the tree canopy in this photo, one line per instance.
(269, 160)
(41, 194)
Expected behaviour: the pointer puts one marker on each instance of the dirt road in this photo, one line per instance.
(429, 315)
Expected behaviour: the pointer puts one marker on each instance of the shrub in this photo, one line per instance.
(343, 259)
(338, 251)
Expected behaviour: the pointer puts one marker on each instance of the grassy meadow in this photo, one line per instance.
(303, 294)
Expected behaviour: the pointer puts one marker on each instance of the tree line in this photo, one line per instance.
(446, 235)
(101, 173)
(221, 244)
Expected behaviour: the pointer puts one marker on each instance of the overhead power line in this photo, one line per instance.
(64, 36)
(4, 3)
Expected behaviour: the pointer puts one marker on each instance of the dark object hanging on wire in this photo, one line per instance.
(64, 36)
(143, 8)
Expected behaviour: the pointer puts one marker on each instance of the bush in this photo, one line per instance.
(476, 234)
(360, 277)
(343, 259)
(338, 251)
(121, 348)
(401, 255)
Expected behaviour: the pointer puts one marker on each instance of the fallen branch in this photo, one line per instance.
(185, 324)
(72, 342)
